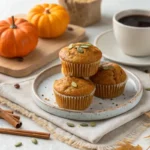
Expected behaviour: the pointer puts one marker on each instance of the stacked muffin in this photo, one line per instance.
(80, 61)
(110, 80)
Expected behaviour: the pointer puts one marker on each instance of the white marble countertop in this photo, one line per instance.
(109, 7)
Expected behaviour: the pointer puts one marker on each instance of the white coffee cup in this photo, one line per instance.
(134, 41)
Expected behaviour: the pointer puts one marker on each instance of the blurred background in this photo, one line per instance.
(109, 7)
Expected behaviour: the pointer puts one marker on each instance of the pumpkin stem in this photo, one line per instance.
(13, 26)
(47, 11)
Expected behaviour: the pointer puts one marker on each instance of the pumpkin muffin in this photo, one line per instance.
(80, 59)
(110, 80)
(73, 93)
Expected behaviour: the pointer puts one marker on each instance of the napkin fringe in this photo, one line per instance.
(71, 139)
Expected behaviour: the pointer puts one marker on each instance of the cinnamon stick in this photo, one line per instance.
(16, 119)
(15, 116)
(19, 123)
(10, 119)
(12, 115)
(9, 111)
(28, 133)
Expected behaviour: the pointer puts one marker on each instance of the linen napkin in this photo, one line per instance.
(23, 97)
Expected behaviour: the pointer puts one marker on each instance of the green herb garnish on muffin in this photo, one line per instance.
(106, 67)
(74, 84)
(80, 47)
(71, 46)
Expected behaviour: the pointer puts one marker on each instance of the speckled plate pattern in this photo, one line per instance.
(99, 109)
(106, 42)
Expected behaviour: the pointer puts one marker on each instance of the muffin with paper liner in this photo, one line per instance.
(110, 80)
(80, 59)
(73, 93)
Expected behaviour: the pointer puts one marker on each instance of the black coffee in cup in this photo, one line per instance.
(136, 20)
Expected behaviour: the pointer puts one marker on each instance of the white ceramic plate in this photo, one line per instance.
(99, 109)
(106, 42)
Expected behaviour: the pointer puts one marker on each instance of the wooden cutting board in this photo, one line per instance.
(46, 51)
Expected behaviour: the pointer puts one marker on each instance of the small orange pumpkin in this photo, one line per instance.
(50, 19)
(18, 37)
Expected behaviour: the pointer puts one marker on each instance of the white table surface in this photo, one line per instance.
(109, 7)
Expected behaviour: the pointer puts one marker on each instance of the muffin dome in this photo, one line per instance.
(72, 86)
(83, 53)
(109, 73)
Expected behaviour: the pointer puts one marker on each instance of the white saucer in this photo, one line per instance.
(106, 42)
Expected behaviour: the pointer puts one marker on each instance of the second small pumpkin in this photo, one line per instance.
(51, 20)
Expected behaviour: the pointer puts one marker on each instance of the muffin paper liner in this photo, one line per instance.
(110, 91)
(74, 102)
(79, 70)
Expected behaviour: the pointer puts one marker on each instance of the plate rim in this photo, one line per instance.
(140, 91)
(114, 60)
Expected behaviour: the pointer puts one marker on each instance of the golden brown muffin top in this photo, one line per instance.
(109, 73)
(83, 53)
(72, 86)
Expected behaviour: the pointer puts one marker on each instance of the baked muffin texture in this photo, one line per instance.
(73, 55)
(73, 93)
(109, 73)
(110, 80)
(80, 59)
